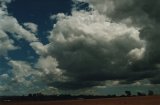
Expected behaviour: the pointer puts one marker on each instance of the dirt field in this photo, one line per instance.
(147, 100)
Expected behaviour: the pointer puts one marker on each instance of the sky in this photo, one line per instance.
(95, 47)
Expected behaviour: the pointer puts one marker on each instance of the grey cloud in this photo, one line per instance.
(75, 85)
(91, 50)
(145, 15)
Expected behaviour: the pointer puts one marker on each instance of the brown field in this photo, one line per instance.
(146, 100)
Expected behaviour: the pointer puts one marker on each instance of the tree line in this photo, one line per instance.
(42, 97)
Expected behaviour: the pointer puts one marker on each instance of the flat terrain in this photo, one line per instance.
(145, 100)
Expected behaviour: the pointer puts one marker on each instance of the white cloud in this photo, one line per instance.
(49, 67)
(143, 82)
(20, 70)
(3, 88)
(6, 1)
(103, 6)
(31, 27)
(137, 54)
(58, 16)
(109, 83)
(39, 48)
(3, 4)
(25, 77)
(4, 76)
(93, 25)
(50, 90)
(6, 44)
(29, 77)
(10, 26)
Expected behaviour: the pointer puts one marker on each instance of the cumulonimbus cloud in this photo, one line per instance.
(143, 14)
(92, 49)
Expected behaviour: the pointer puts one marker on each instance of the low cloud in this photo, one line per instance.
(31, 78)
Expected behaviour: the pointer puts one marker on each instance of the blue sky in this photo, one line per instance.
(79, 46)
(39, 13)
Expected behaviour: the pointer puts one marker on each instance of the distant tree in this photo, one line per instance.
(141, 94)
(122, 95)
(114, 95)
(40, 94)
(150, 93)
(30, 95)
(128, 93)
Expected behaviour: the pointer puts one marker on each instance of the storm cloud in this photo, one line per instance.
(116, 40)
(90, 49)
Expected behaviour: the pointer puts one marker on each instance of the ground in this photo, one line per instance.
(144, 100)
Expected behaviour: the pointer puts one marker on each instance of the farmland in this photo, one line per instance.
(143, 100)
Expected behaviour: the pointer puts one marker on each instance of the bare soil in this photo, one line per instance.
(145, 100)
